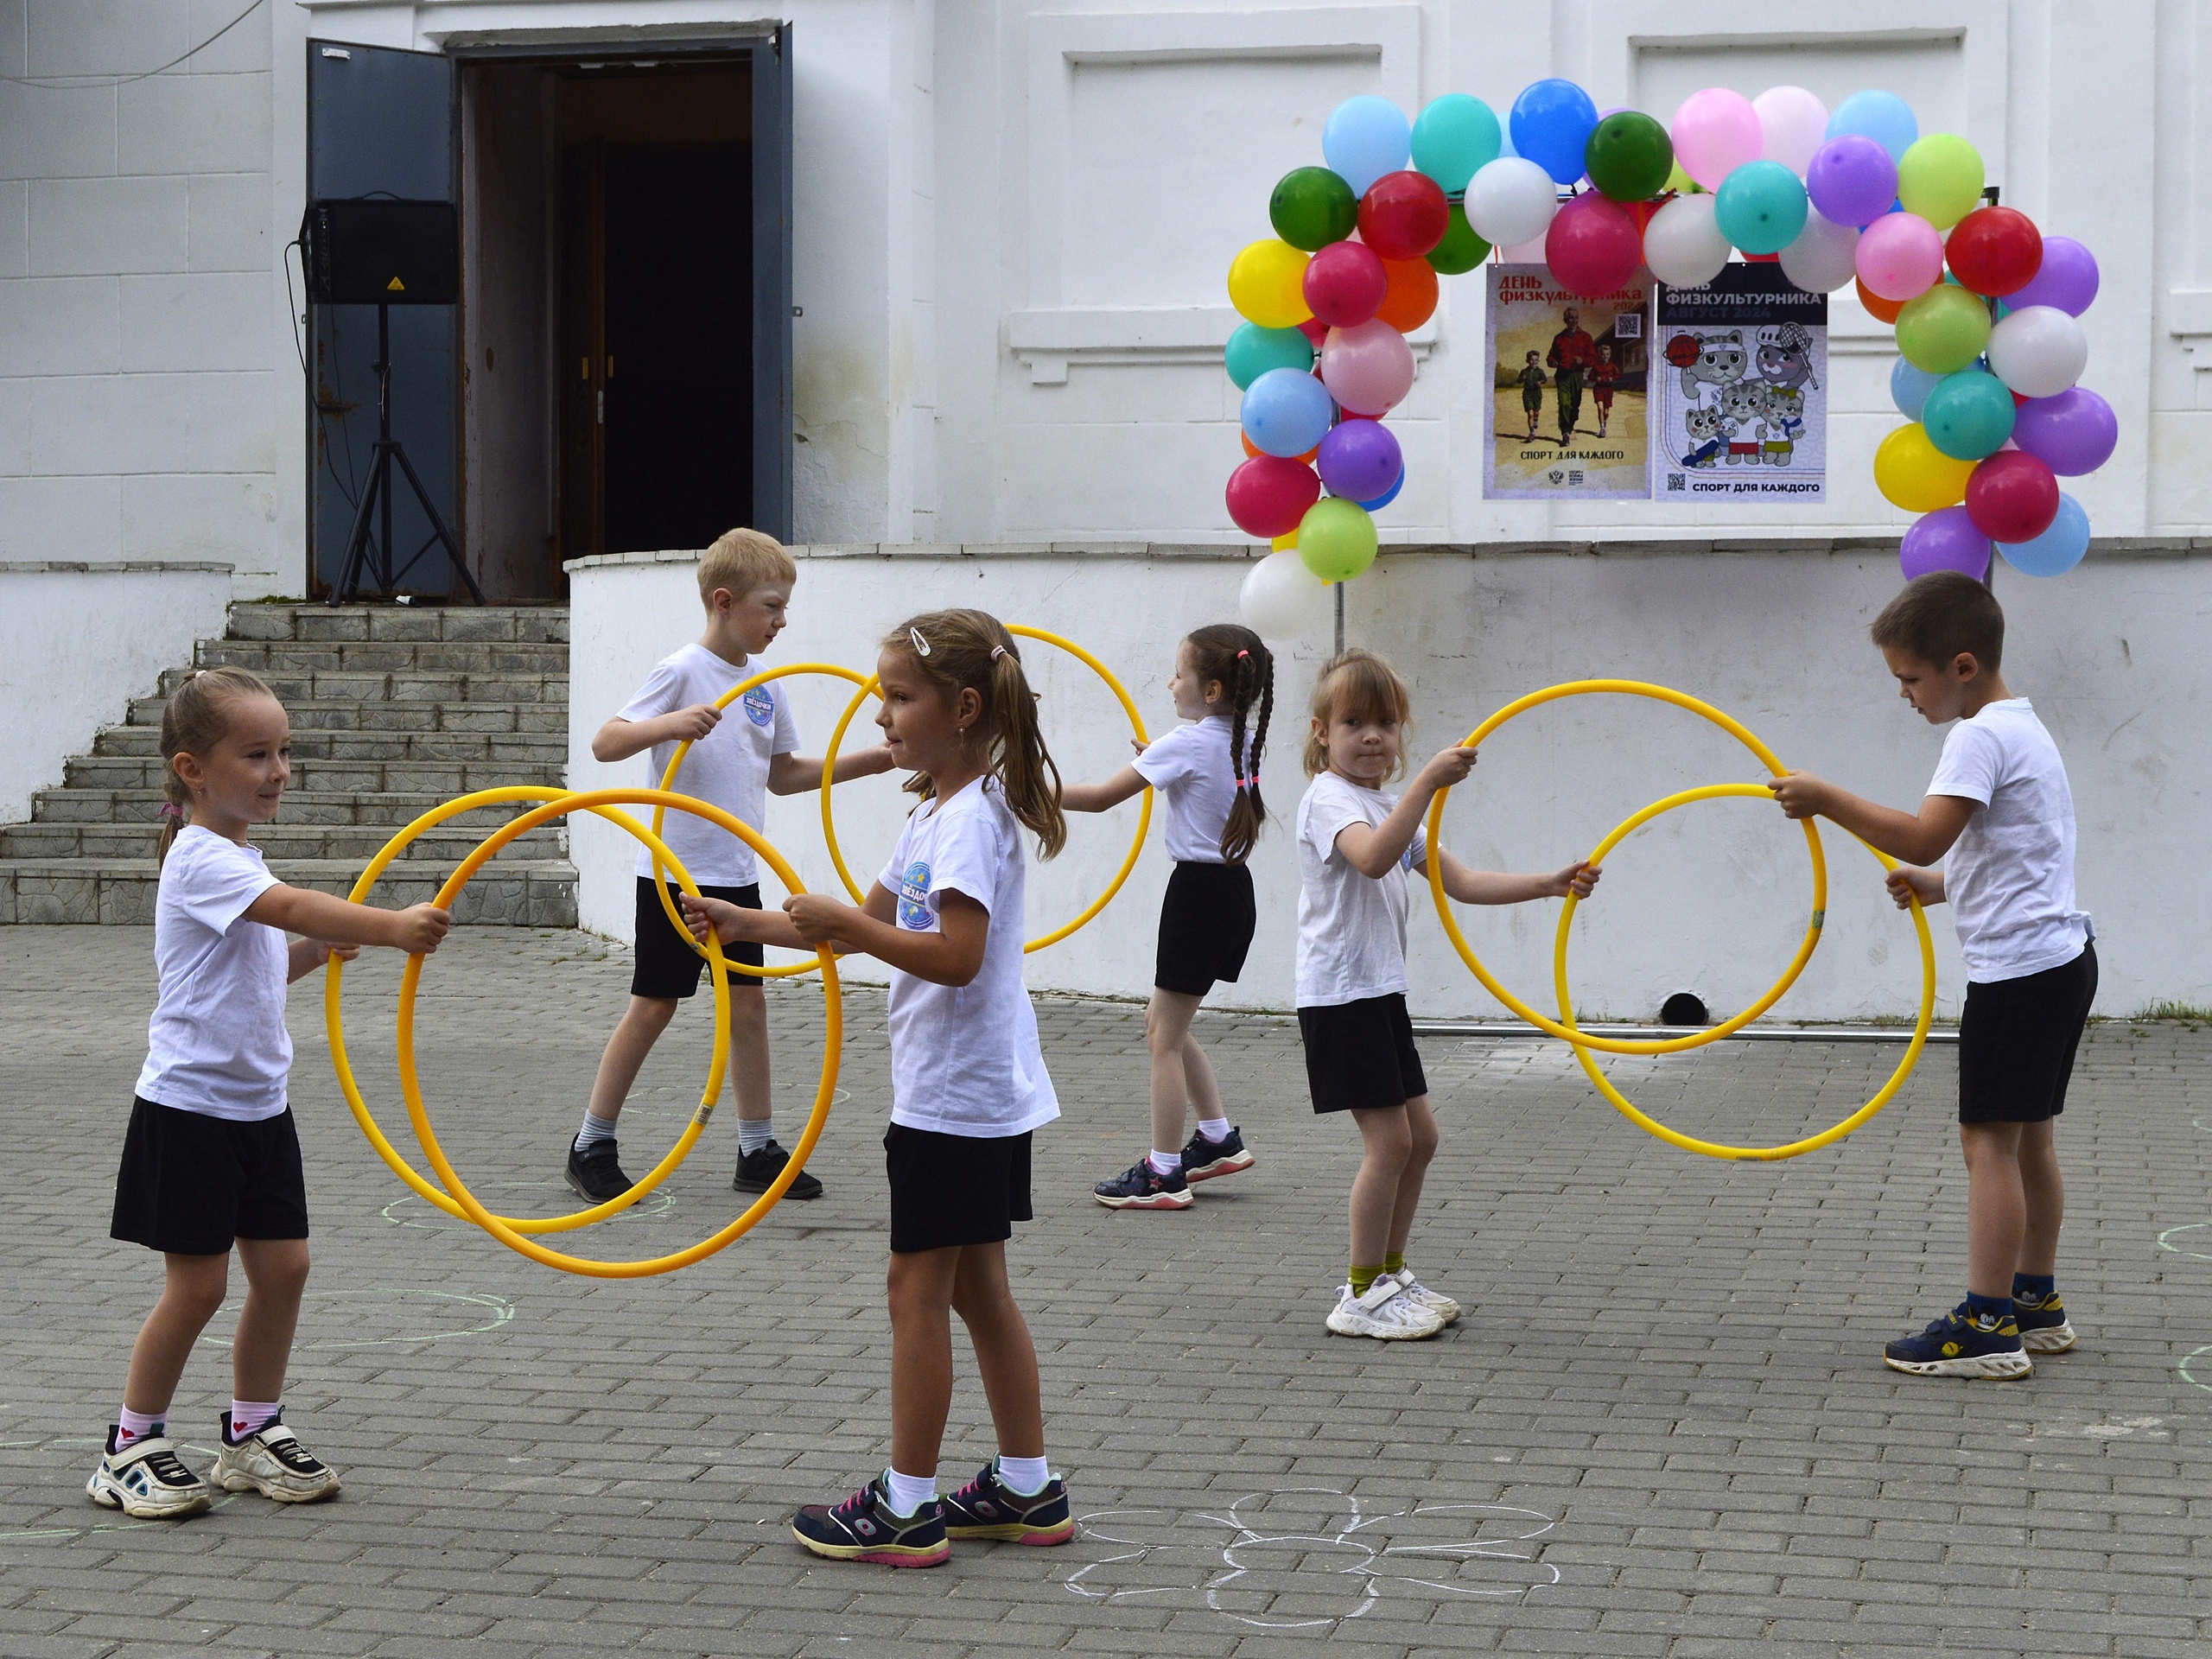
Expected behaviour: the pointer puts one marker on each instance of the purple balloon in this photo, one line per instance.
(2072, 434)
(1852, 180)
(1360, 460)
(2067, 280)
(1944, 540)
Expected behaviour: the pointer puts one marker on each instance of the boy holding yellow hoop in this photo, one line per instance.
(745, 581)
(1999, 814)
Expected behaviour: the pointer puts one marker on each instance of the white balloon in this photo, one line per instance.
(1795, 123)
(1820, 260)
(1282, 598)
(1511, 202)
(1682, 245)
(2039, 351)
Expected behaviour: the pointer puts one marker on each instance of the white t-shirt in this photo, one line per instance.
(2010, 876)
(728, 766)
(965, 1058)
(216, 1043)
(1191, 766)
(1351, 928)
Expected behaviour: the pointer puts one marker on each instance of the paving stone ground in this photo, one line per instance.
(1661, 1429)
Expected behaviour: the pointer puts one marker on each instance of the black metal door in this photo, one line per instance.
(381, 121)
(772, 284)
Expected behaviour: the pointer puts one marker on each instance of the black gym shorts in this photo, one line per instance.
(954, 1189)
(1361, 1054)
(2017, 1038)
(667, 964)
(192, 1185)
(1206, 921)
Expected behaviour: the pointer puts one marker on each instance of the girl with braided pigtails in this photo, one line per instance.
(1209, 770)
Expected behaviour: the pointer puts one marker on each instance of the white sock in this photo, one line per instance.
(131, 1427)
(1023, 1477)
(1215, 1129)
(909, 1492)
(252, 1416)
(752, 1134)
(1166, 1163)
(595, 1129)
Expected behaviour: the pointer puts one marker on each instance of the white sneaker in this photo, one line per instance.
(147, 1481)
(1384, 1313)
(1421, 1296)
(272, 1461)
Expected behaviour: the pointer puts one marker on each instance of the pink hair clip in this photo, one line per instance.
(170, 810)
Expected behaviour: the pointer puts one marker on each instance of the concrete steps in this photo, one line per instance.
(393, 710)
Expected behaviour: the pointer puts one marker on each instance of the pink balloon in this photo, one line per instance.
(1795, 124)
(1715, 132)
(1368, 370)
(1899, 256)
(1593, 246)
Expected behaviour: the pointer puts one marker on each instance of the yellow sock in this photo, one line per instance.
(1395, 1262)
(1363, 1277)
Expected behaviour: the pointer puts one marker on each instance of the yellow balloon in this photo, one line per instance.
(1266, 284)
(1940, 178)
(1285, 542)
(1913, 474)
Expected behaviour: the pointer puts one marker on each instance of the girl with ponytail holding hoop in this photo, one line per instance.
(1224, 683)
(212, 1159)
(969, 1084)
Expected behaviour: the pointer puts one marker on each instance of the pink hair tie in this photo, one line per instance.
(997, 652)
(170, 810)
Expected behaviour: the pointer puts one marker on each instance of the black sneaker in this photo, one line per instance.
(864, 1528)
(1143, 1187)
(757, 1172)
(595, 1173)
(986, 1507)
(1959, 1344)
(2043, 1322)
(1203, 1160)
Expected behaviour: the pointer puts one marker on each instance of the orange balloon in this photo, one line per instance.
(1876, 305)
(1411, 299)
(1252, 450)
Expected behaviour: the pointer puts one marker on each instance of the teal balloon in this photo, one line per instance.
(1454, 138)
(1253, 350)
(1760, 206)
(1969, 415)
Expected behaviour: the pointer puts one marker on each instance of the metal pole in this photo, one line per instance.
(1340, 617)
(382, 566)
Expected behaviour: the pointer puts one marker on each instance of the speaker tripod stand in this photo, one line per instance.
(369, 551)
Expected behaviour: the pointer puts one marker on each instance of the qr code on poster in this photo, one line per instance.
(1629, 325)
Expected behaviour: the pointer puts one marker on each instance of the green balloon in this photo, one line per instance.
(1453, 139)
(1253, 350)
(1312, 207)
(1943, 330)
(1461, 250)
(1940, 178)
(1629, 157)
(1337, 539)
(1969, 415)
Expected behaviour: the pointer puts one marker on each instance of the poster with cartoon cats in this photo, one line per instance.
(1568, 394)
(1742, 398)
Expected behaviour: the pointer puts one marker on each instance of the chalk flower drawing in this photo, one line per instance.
(1311, 1556)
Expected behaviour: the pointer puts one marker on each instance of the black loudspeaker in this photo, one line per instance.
(377, 251)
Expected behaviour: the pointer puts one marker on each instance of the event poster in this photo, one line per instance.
(1742, 399)
(1569, 383)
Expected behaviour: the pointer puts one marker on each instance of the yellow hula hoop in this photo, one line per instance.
(668, 783)
(333, 1021)
(1715, 1148)
(1136, 842)
(1567, 1033)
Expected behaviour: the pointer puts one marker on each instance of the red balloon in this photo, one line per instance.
(1995, 251)
(1268, 496)
(1412, 299)
(1592, 247)
(1315, 330)
(1345, 283)
(2012, 497)
(1403, 215)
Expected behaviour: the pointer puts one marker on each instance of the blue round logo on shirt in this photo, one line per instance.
(914, 898)
(760, 706)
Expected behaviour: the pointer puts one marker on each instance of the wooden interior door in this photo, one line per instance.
(585, 366)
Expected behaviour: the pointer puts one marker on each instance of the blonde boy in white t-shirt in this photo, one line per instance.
(739, 756)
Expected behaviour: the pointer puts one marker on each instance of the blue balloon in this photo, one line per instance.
(1552, 122)
(1883, 116)
(1909, 388)
(1286, 412)
(1366, 138)
(2058, 549)
(1387, 495)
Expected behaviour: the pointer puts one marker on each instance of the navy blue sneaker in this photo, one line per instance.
(2044, 1327)
(987, 1508)
(1143, 1187)
(864, 1528)
(1204, 1159)
(1960, 1344)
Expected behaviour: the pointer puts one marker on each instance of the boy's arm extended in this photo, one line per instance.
(1098, 798)
(795, 774)
(329, 919)
(1467, 886)
(619, 738)
(953, 955)
(1911, 838)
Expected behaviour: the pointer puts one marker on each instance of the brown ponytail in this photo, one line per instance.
(194, 720)
(965, 650)
(1235, 656)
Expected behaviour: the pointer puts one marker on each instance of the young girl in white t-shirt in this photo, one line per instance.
(212, 1159)
(1356, 844)
(1209, 770)
(967, 1079)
